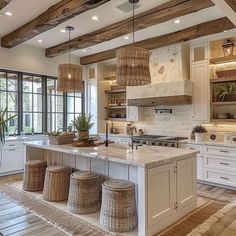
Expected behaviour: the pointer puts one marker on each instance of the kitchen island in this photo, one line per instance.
(165, 178)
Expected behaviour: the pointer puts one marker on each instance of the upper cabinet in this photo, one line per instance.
(200, 78)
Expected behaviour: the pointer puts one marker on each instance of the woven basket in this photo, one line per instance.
(226, 73)
(84, 193)
(118, 210)
(56, 183)
(61, 139)
(34, 175)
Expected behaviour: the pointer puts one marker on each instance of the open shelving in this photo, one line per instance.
(222, 60)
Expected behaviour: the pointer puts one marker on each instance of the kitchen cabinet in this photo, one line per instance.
(12, 158)
(169, 190)
(200, 79)
(216, 165)
(133, 113)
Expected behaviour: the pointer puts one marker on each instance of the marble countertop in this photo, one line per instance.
(146, 156)
(208, 143)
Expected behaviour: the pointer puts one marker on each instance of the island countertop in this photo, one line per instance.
(146, 156)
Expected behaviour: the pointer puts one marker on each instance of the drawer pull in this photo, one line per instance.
(11, 145)
(11, 150)
(224, 163)
(224, 151)
(192, 148)
(224, 178)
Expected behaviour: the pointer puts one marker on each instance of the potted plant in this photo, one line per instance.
(225, 91)
(199, 131)
(83, 124)
(3, 124)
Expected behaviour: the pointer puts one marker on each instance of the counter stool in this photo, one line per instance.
(84, 193)
(56, 183)
(34, 175)
(118, 210)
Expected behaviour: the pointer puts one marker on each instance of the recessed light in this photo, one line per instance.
(126, 37)
(40, 41)
(225, 31)
(84, 50)
(63, 31)
(177, 21)
(95, 18)
(8, 13)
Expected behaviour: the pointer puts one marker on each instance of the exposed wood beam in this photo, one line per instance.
(228, 7)
(203, 29)
(159, 14)
(3, 3)
(55, 15)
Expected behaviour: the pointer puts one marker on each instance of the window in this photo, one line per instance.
(32, 104)
(39, 107)
(9, 98)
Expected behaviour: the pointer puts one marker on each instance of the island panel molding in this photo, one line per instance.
(157, 15)
(3, 3)
(55, 15)
(197, 31)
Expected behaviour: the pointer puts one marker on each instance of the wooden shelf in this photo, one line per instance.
(115, 91)
(223, 120)
(225, 79)
(222, 60)
(116, 107)
(110, 78)
(116, 119)
(223, 103)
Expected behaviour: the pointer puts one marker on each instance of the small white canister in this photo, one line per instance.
(227, 137)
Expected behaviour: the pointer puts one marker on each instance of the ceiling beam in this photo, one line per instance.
(197, 31)
(228, 7)
(157, 15)
(3, 3)
(55, 15)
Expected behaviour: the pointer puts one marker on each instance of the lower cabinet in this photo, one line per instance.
(11, 161)
(171, 187)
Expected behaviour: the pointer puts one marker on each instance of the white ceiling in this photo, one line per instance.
(25, 10)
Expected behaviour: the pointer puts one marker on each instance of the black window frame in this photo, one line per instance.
(44, 101)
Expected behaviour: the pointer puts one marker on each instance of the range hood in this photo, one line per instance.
(160, 94)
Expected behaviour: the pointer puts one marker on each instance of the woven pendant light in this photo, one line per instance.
(133, 63)
(70, 75)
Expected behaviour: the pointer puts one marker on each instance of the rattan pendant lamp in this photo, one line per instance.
(70, 75)
(133, 63)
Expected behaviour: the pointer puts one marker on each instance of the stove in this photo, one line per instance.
(157, 140)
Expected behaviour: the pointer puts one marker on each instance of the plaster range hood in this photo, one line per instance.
(160, 94)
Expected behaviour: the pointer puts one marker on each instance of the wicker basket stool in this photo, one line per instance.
(118, 210)
(34, 175)
(84, 193)
(56, 183)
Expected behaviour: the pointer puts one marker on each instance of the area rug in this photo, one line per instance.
(216, 218)
(60, 219)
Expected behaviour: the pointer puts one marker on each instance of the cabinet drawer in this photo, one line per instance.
(220, 177)
(12, 145)
(224, 163)
(221, 151)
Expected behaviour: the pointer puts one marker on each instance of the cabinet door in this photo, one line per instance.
(132, 113)
(186, 181)
(201, 104)
(161, 193)
(200, 167)
(11, 160)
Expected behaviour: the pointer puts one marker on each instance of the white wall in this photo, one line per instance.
(27, 58)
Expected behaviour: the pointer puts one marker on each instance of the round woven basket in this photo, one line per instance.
(84, 193)
(56, 183)
(118, 210)
(34, 175)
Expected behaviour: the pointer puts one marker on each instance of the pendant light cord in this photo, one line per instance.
(69, 44)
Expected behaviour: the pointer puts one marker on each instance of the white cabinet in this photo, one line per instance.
(12, 158)
(133, 113)
(171, 187)
(200, 79)
(161, 192)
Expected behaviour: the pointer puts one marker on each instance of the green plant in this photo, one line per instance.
(83, 122)
(223, 90)
(3, 124)
(199, 129)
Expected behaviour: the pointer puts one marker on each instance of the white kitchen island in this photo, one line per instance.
(165, 178)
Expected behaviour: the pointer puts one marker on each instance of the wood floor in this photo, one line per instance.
(16, 221)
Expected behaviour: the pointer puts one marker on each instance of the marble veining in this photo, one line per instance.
(121, 153)
(207, 143)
